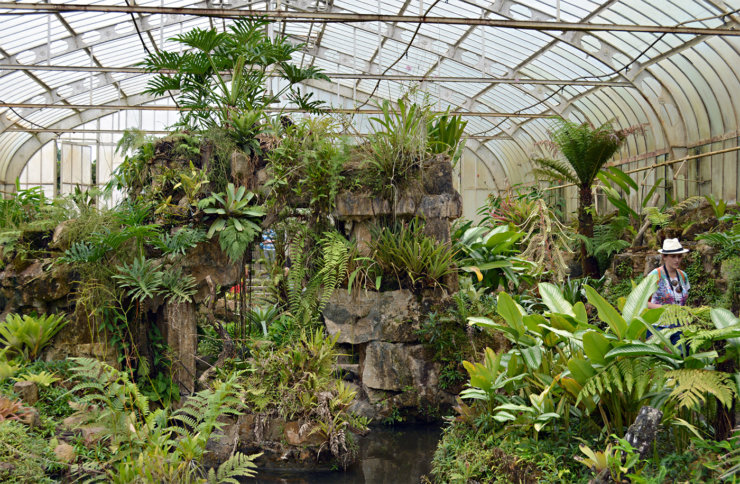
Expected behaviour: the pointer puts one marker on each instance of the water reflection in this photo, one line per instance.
(387, 456)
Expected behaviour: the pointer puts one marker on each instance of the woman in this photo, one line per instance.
(673, 285)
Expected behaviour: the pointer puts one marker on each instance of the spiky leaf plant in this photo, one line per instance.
(28, 335)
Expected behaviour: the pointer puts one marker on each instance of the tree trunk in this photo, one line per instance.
(586, 228)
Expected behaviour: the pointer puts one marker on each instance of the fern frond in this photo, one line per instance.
(238, 465)
(692, 385)
(635, 376)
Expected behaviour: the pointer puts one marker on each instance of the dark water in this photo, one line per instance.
(387, 455)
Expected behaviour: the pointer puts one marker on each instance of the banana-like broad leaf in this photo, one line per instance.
(637, 300)
(532, 356)
(640, 349)
(579, 309)
(596, 346)
(554, 300)
(723, 318)
(508, 310)
(581, 370)
(607, 313)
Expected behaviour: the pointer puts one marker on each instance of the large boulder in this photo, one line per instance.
(396, 366)
(395, 371)
(372, 316)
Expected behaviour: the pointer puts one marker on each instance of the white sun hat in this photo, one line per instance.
(672, 246)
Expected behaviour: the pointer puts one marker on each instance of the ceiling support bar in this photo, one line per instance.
(123, 107)
(160, 131)
(325, 17)
(337, 75)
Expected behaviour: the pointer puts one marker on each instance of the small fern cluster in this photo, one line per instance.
(143, 279)
(156, 446)
(309, 293)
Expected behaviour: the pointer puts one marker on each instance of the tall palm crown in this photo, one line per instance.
(585, 150)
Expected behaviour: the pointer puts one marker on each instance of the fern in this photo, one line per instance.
(238, 465)
(692, 385)
(177, 287)
(142, 278)
(179, 242)
(307, 301)
(633, 376)
(657, 218)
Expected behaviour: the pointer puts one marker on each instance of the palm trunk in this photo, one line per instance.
(589, 265)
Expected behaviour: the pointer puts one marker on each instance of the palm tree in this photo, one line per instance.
(585, 150)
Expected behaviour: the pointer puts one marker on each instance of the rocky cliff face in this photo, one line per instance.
(394, 375)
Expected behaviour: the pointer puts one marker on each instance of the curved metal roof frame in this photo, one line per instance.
(684, 88)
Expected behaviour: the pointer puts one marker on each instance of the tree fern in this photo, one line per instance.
(690, 387)
(556, 171)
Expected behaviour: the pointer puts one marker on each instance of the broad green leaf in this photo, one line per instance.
(533, 322)
(554, 300)
(607, 313)
(637, 300)
(532, 356)
(658, 334)
(561, 322)
(596, 345)
(508, 310)
(640, 349)
(723, 318)
(615, 174)
(565, 334)
(514, 408)
(581, 370)
(579, 309)
(498, 264)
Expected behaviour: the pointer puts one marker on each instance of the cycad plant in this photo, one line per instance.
(585, 150)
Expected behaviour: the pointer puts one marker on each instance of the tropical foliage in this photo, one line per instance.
(584, 149)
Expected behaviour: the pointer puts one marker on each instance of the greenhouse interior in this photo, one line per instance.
(403, 241)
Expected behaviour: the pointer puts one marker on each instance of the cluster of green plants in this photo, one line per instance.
(403, 139)
(445, 332)
(297, 382)
(306, 167)
(145, 445)
(567, 371)
(403, 254)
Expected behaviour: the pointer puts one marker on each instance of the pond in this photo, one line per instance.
(387, 455)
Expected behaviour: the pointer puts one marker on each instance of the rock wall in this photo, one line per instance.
(437, 202)
(395, 375)
(44, 287)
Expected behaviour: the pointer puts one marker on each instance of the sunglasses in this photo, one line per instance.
(674, 256)
(676, 286)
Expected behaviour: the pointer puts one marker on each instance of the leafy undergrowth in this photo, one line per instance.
(468, 455)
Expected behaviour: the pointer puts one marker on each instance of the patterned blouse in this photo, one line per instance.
(666, 293)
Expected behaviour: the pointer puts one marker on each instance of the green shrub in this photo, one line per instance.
(28, 335)
(24, 457)
(412, 258)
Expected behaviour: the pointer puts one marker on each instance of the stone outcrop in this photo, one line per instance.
(395, 372)
(45, 287)
(437, 202)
